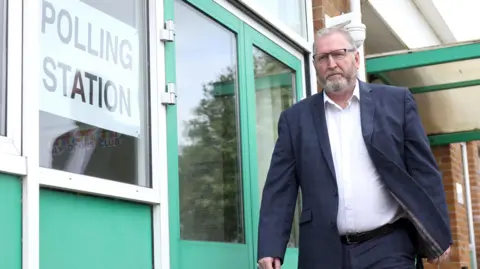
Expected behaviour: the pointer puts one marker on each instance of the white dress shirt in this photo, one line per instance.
(364, 201)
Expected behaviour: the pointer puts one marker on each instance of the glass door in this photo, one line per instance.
(211, 223)
(232, 83)
(275, 82)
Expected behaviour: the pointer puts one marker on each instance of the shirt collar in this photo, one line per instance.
(356, 94)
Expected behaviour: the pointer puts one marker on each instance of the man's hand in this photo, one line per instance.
(269, 263)
(440, 259)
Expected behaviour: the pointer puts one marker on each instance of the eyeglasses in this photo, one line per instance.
(337, 55)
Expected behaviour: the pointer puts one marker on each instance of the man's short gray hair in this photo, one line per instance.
(333, 30)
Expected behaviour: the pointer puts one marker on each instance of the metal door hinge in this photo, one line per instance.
(170, 96)
(167, 34)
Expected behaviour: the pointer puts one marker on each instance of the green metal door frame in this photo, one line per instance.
(378, 65)
(247, 38)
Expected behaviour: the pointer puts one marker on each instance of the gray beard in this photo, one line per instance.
(338, 86)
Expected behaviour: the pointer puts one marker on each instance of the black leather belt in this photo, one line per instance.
(365, 236)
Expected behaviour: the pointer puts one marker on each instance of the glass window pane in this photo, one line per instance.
(3, 68)
(94, 89)
(274, 88)
(293, 13)
(211, 205)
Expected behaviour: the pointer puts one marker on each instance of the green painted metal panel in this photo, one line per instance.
(444, 139)
(208, 255)
(172, 154)
(291, 259)
(11, 224)
(78, 232)
(245, 97)
(447, 86)
(418, 58)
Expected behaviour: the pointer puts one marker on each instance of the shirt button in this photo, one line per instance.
(334, 224)
(335, 193)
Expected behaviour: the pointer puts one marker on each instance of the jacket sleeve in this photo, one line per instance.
(419, 160)
(279, 197)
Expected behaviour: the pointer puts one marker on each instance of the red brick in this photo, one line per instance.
(327, 7)
(449, 159)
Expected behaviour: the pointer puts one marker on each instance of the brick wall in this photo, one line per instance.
(449, 159)
(474, 173)
(327, 7)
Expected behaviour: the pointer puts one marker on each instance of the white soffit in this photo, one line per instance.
(436, 20)
(407, 22)
(380, 38)
(461, 16)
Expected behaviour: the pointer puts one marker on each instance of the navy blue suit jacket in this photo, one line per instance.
(399, 148)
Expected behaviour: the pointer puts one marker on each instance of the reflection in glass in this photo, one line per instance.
(274, 91)
(3, 67)
(291, 13)
(208, 141)
(93, 107)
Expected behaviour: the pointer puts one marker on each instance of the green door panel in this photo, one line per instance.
(11, 224)
(196, 254)
(79, 232)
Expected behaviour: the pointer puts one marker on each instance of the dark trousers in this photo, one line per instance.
(392, 251)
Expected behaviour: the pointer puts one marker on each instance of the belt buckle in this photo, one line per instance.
(347, 237)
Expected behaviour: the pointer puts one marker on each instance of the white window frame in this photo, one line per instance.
(36, 177)
(158, 129)
(11, 159)
(108, 188)
(304, 42)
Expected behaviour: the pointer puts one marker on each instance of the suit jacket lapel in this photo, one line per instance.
(367, 111)
(320, 124)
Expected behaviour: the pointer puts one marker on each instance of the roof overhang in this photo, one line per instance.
(411, 24)
(445, 83)
(423, 53)
(414, 32)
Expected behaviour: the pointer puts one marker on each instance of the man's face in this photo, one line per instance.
(335, 63)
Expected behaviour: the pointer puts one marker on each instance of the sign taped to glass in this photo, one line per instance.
(90, 67)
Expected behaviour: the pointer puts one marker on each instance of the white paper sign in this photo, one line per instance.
(459, 189)
(90, 67)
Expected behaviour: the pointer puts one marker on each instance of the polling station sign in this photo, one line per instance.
(90, 67)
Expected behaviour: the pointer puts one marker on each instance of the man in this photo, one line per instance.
(371, 189)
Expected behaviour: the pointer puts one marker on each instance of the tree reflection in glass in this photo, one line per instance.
(210, 174)
(211, 204)
(274, 92)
